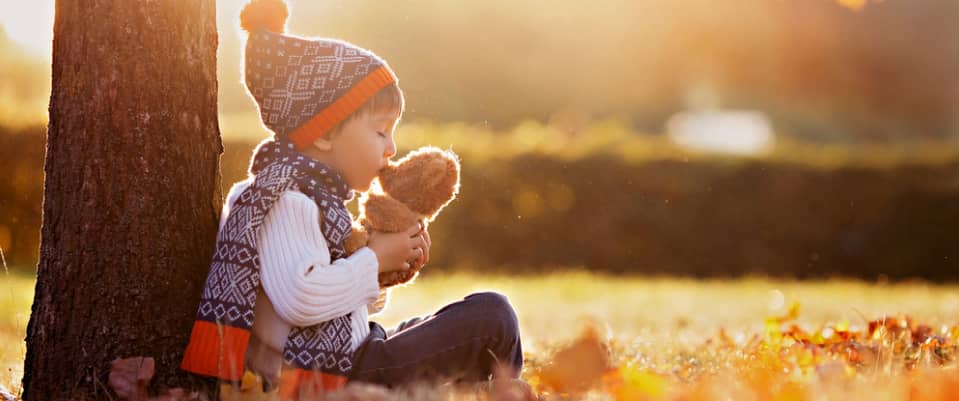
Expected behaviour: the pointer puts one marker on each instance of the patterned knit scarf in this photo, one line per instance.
(225, 317)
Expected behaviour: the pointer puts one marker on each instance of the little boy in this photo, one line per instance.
(280, 294)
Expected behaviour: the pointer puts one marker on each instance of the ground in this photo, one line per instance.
(670, 337)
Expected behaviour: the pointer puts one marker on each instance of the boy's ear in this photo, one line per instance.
(323, 143)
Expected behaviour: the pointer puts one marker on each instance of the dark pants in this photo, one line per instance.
(464, 341)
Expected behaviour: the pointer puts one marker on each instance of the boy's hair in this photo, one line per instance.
(387, 100)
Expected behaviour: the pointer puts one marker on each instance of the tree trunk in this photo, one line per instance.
(132, 192)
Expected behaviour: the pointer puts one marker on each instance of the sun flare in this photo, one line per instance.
(29, 24)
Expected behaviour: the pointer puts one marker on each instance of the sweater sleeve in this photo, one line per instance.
(305, 287)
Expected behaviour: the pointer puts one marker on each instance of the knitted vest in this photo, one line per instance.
(222, 327)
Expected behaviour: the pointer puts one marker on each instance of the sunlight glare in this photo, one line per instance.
(853, 4)
(29, 24)
(742, 132)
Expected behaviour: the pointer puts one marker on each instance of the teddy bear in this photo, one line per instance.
(410, 190)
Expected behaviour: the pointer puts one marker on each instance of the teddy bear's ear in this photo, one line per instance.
(425, 179)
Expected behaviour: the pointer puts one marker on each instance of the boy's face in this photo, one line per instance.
(362, 147)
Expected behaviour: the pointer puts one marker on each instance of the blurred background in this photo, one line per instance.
(806, 138)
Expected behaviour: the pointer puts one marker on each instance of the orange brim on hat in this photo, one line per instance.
(339, 110)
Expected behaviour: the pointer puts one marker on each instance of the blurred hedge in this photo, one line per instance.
(21, 194)
(701, 217)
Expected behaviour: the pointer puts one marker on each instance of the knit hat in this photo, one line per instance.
(305, 86)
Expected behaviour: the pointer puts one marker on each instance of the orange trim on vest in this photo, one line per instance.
(216, 350)
(337, 111)
(299, 384)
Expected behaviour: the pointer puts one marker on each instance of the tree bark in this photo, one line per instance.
(132, 192)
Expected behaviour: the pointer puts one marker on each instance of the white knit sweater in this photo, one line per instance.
(302, 286)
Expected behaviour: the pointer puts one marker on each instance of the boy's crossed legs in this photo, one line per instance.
(468, 341)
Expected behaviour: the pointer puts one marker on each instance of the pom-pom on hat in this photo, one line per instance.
(305, 86)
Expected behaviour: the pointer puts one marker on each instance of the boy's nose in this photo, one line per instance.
(390, 150)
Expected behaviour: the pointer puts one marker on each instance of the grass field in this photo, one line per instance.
(649, 323)
(16, 296)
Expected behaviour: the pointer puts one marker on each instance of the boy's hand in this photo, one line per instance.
(425, 256)
(393, 250)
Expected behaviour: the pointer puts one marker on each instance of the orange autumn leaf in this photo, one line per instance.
(790, 391)
(579, 366)
(630, 384)
(250, 389)
(774, 324)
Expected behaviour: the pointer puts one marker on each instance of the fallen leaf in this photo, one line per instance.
(579, 366)
(631, 384)
(359, 392)
(129, 377)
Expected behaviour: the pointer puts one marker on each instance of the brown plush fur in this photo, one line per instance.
(415, 188)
